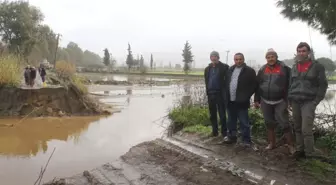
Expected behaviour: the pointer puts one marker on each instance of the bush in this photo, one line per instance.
(187, 116)
(79, 82)
(65, 69)
(10, 71)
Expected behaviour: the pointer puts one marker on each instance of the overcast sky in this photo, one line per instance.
(161, 27)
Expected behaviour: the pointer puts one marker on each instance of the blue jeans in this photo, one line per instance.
(238, 112)
(217, 104)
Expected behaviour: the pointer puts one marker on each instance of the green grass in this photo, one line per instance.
(318, 169)
(332, 78)
(199, 129)
(195, 119)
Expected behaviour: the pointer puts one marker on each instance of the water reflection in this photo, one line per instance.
(29, 137)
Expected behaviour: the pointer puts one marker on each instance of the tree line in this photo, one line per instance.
(22, 33)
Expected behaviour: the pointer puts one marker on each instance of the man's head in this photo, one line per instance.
(214, 56)
(303, 51)
(239, 59)
(271, 56)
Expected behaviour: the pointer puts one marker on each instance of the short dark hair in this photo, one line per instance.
(241, 54)
(303, 44)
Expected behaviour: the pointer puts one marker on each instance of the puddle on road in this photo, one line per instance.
(81, 143)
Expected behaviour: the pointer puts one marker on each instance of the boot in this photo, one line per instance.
(271, 139)
(289, 140)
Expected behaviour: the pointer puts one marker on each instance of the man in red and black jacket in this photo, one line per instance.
(271, 95)
(308, 86)
(215, 81)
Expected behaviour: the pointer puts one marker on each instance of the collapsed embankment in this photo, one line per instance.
(49, 101)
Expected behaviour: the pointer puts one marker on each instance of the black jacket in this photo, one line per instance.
(246, 84)
(223, 70)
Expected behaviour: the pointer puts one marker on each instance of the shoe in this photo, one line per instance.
(229, 140)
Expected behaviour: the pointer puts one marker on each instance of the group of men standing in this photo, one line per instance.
(30, 74)
(275, 87)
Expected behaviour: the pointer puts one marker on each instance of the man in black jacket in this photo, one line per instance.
(241, 83)
(215, 80)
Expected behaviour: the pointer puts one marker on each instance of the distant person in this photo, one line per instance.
(27, 75)
(215, 80)
(271, 95)
(241, 86)
(42, 72)
(32, 76)
(307, 89)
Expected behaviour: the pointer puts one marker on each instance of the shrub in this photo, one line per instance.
(189, 116)
(10, 71)
(79, 82)
(65, 69)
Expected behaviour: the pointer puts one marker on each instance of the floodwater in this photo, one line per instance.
(81, 143)
(126, 77)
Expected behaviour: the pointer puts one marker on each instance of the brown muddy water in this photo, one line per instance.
(81, 143)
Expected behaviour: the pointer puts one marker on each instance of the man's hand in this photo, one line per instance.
(256, 105)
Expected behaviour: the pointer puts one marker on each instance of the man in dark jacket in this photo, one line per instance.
(42, 72)
(271, 96)
(241, 83)
(215, 80)
(308, 86)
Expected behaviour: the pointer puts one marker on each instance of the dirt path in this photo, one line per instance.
(156, 162)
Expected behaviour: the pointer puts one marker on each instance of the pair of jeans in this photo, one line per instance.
(216, 103)
(237, 111)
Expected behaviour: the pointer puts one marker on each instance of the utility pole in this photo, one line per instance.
(227, 56)
(56, 49)
(330, 52)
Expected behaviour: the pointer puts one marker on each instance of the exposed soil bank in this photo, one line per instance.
(49, 101)
(155, 162)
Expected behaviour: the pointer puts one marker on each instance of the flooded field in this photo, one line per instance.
(125, 77)
(81, 143)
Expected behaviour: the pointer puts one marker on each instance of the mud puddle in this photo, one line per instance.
(157, 162)
(81, 143)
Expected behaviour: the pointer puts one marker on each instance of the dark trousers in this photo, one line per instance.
(216, 103)
(237, 111)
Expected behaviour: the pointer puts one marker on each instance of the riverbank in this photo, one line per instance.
(191, 124)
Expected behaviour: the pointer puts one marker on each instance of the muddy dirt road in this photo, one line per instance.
(157, 163)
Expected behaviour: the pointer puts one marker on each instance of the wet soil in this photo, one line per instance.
(270, 165)
(156, 162)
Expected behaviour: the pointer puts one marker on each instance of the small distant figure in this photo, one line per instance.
(42, 72)
(27, 75)
(32, 76)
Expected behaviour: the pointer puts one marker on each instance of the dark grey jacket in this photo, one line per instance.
(272, 82)
(309, 83)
